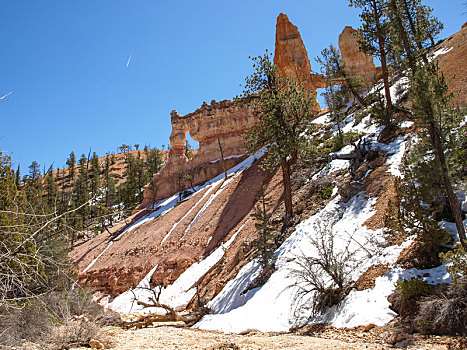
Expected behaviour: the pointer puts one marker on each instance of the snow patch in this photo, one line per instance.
(439, 52)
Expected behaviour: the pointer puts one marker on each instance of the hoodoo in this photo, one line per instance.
(291, 56)
(356, 62)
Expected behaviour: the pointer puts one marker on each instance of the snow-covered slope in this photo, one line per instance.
(277, 305)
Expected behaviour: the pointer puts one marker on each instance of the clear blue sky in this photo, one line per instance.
(65, 63)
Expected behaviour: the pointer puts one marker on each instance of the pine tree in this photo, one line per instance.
(333, 69)
(412, 31)
(334, 95)
(375, 30)
(21, 266)
(188, 150)
(71, 161)
(284, 109)
(264, 229)
(440, 133)
(51, 188)
(94, 174)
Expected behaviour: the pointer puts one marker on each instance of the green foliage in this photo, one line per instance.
(410, 213)
(412, 29)
(265, 230)
(335, 95)
(375, 38)
(71, 161)
(188, 150)
(381, 114)
(284, 108)
(413, 289)
(456, 261)
(440, 136)
(325, 193)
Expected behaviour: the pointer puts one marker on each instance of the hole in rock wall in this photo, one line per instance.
(188, 140)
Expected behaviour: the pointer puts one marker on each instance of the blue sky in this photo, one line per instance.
(65, 63)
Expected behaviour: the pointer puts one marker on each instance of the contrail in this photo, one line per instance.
(128, 62)
(8, 94)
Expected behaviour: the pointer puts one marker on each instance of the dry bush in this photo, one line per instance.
(326, 277)
(444, 313)
(55, 320)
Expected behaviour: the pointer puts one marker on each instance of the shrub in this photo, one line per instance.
(325, 276)
(444, 313)
(59, 320)
(404, 299)
(325, 192)
(456, 261)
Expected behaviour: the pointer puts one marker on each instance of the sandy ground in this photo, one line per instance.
(169, 337)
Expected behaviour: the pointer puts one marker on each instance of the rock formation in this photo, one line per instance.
(219, 121)
(357, 63)
(291, 56)
(225, 122)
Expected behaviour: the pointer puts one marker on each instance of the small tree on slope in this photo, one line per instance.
(283, 107)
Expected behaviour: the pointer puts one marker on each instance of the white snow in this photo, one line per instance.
(462, 195)
(440, 51)
(396, 151)
(322, 119)
(334, 165)
(371, 305)
(178, 294)
(237, 312)
(165, 205)
(405, 124)
(187, 213)
(229, 157)
(401, 84)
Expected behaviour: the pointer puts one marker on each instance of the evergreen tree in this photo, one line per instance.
(439, 134)
(71, 161)
(284, 109)
(264, 229)
(334, 95)
(375, 30)
(21, 267)
(33, 187)
(412, 31)
(51, 188)
(18, 177)
(81, 194)
(333, 69)
(188, 150)
(94, 175)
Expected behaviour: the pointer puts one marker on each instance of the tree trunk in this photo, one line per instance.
(222, 157)
(414, 31)
(405, 39)
(382, 55)
(350, 85)
(285, 165)
(447, 182)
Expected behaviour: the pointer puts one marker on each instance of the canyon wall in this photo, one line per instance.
(218, 122)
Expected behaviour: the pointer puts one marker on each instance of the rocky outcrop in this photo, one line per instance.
(225, 122)
(218, 122)
(291, 56)
(357, 63)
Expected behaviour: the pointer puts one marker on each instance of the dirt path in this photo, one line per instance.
(167, 338)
